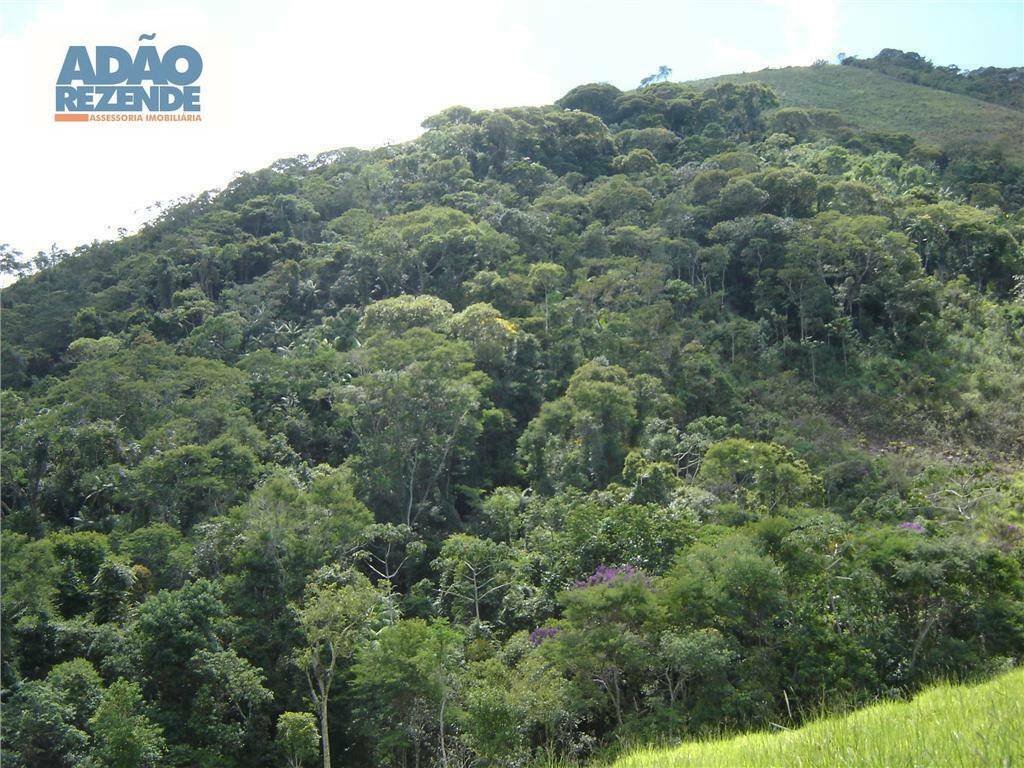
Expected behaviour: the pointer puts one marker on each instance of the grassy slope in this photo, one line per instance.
(877, 102)
(978, 726)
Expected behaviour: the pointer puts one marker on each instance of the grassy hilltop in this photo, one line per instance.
(879, 103)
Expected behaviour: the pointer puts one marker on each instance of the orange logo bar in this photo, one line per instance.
(70, 118)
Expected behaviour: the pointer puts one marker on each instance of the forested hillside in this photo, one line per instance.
(555, 429)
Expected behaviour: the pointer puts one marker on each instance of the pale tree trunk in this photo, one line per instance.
(444, 751)
(616, 692)
(325, 738)
(319, 694)
(476, 598)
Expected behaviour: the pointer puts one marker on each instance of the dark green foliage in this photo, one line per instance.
(123, 736)
(39, 729)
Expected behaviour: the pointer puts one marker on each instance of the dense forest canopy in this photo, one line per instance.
(624, 418)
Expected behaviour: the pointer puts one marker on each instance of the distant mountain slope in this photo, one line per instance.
(881, 103)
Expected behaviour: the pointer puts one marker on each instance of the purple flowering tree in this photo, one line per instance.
(911, 526)
(606, 574)
(540, 634)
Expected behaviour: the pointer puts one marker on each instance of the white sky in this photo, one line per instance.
(282, 79)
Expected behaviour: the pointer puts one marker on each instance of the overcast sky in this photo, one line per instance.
(282, 79)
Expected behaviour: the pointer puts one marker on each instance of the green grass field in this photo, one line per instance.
(980, 726)
(877, 102)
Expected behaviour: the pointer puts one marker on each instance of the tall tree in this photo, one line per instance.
(338, 611)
